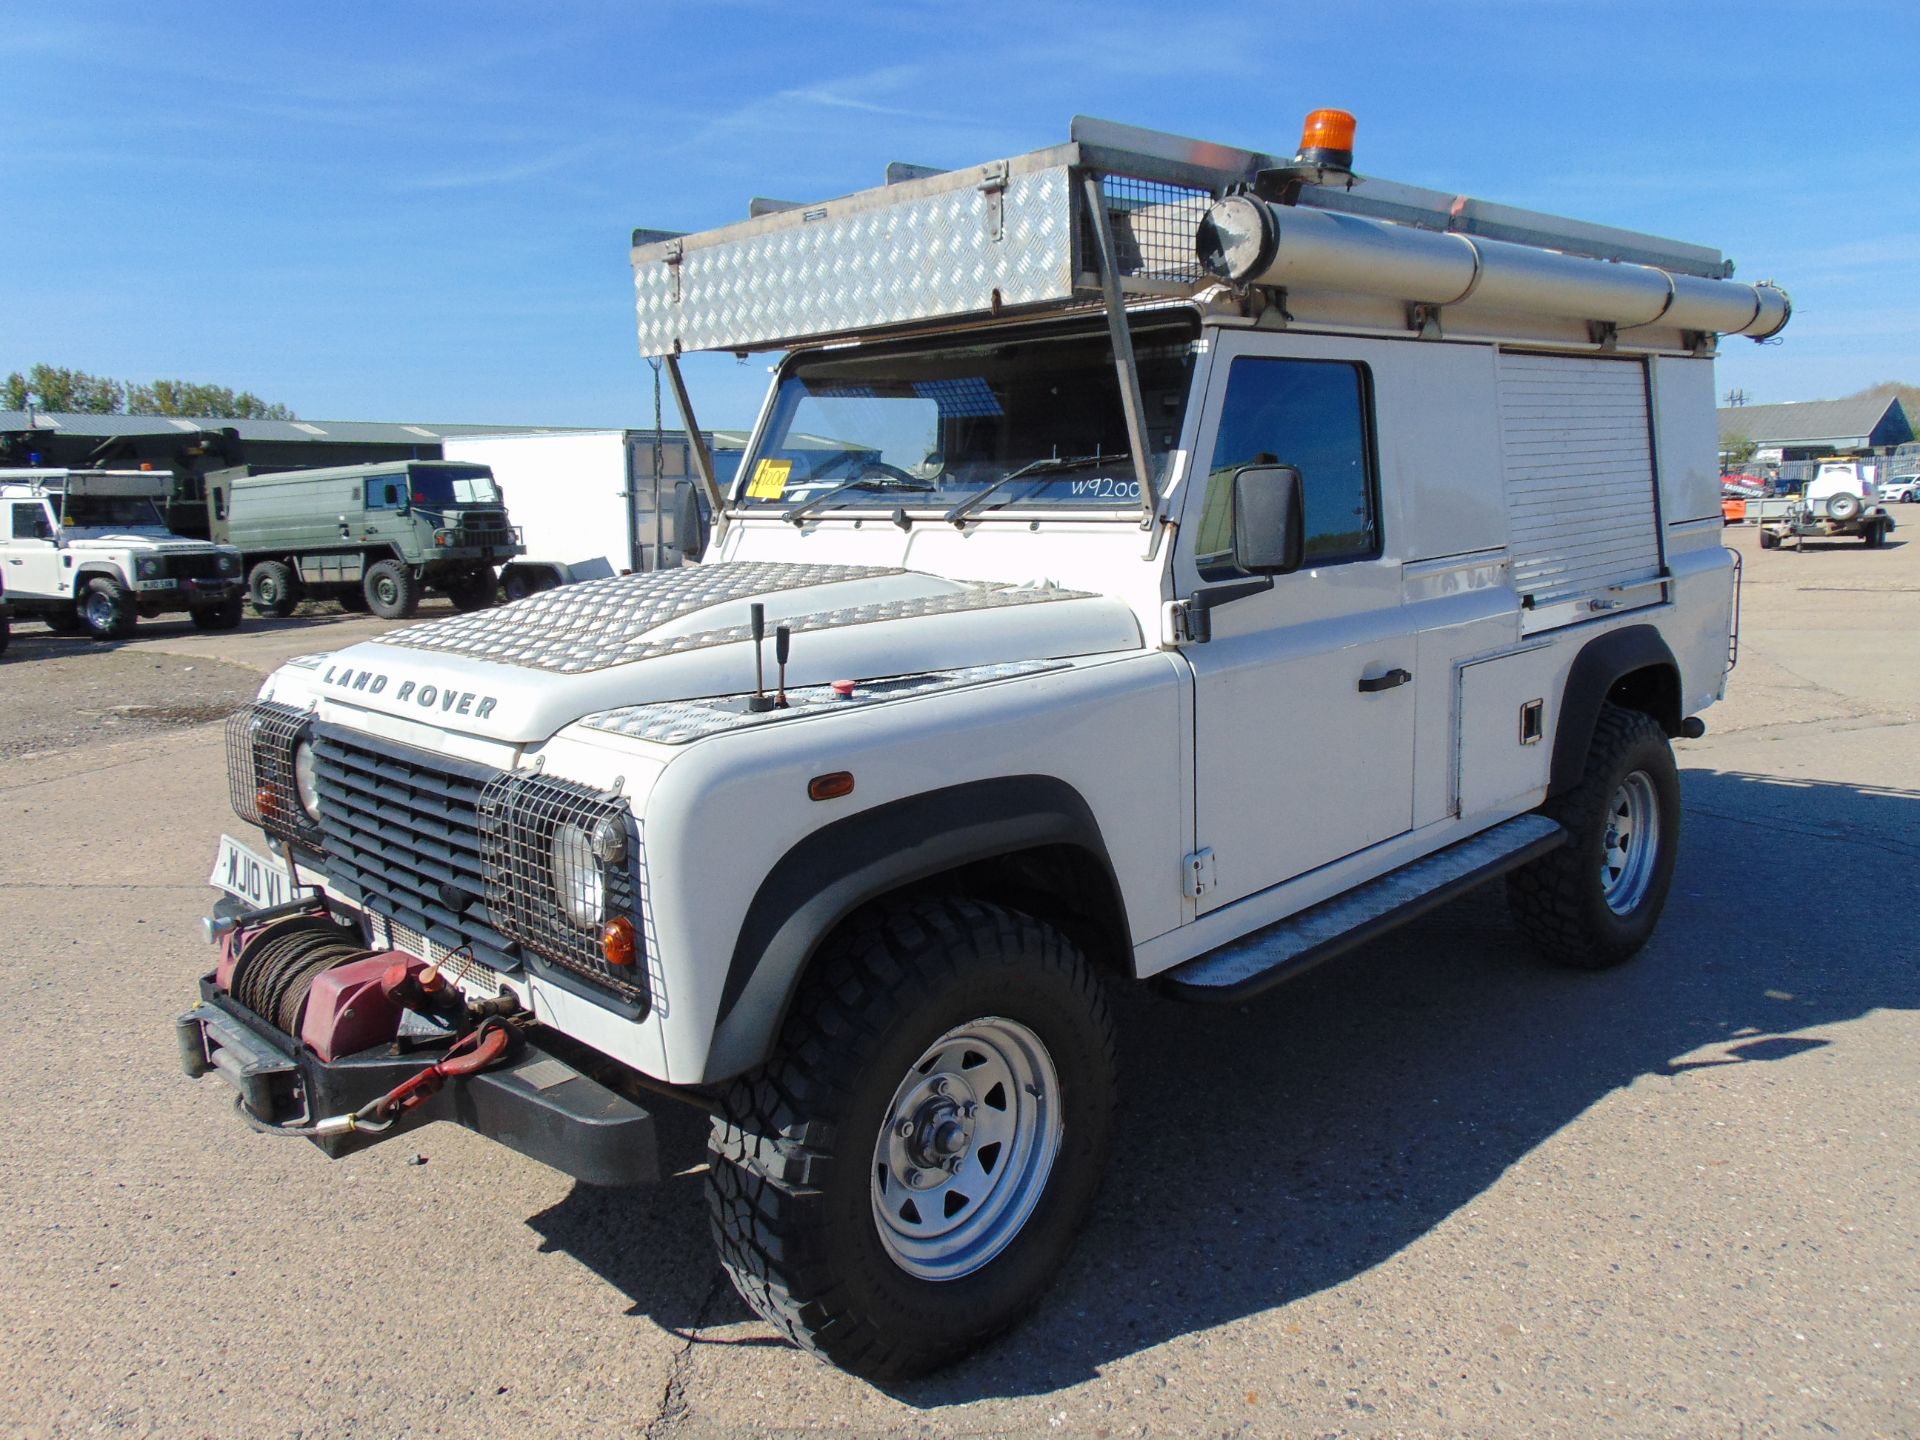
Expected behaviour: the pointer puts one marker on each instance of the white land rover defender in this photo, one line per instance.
(1231, 557)
(89, 550)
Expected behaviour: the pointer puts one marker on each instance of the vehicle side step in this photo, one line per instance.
(1289, 947)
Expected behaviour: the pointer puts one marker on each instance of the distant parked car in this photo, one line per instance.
(1904, 488)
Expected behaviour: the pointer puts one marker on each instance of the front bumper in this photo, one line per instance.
(535, 1103)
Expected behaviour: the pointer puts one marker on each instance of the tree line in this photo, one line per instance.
(75, 392)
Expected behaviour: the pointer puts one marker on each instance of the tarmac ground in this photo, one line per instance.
(1433, 1189)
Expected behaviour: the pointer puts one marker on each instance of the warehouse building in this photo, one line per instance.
(190, 449)
(1811, 429)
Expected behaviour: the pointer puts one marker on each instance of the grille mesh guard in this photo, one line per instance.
(260, 741)
(520, 814)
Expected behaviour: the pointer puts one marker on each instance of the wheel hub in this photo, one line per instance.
(965, 1149)
(1627, 858)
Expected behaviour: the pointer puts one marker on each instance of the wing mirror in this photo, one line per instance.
(1269, 519)
(689, 520)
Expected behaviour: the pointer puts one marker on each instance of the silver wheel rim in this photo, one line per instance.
(1629, 847)
(965, 1148)
(99, 611)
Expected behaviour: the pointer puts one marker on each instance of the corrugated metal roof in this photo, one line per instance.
(1814, 421)
(363, 432)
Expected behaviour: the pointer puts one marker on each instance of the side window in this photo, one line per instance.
(30, 522)
(385, 492)
(1316, 416)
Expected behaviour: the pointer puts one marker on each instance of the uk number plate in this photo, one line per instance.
(260, 880)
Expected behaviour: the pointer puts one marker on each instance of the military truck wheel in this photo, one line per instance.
(473, 591)
(391, 591)
(1593, 902)
(273, 589)
(900, 1181)
(224, 616)
(107, 609)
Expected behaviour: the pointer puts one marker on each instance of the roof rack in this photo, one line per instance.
(1017, 234)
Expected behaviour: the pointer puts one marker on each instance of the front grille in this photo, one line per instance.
(203, 565)
(520, 816)
(497, 537)
(402, 831)
(260, 741)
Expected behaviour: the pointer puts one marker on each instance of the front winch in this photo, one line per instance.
(347, 1046)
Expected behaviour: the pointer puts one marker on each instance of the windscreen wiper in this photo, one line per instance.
(860, 482)
(957, 516)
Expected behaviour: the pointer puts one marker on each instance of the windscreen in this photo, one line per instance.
(435, 485)
(117, 512)
(1033, 415)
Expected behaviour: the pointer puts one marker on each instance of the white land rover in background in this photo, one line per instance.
(1244, 557)
(89, 550)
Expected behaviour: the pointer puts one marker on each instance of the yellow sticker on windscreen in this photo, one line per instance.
(769, 480)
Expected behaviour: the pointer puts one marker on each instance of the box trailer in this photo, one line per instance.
(592, 505)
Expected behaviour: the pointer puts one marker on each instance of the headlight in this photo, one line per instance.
(579, 883)
(147, 567)
(229, 564)
(306, 784)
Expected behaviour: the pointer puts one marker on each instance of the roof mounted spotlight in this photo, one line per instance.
(1325, 157)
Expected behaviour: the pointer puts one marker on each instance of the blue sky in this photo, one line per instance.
(421, 211)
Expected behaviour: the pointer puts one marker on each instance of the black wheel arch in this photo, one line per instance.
(1030, 842)
(1632, 667)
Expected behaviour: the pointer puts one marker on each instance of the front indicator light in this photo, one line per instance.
(616, 941)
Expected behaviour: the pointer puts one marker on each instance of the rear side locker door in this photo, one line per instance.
(1304, 694)
(1582, 493)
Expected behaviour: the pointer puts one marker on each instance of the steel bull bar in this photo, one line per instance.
(533, 1102)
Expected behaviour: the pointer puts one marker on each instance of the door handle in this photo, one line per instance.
(1377, 683)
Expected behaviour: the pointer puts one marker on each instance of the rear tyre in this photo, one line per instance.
(900, 1181)
(1876, 536)
(1843, 507)
(473, 591)
(107, 609)
(391, 591)
(1593, 902)
(1769, 540)
(6, 632)
(224, 616)
(272, 588)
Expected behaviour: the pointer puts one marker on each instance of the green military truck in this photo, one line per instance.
(374, 537)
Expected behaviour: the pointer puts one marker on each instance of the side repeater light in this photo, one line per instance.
(830, 787)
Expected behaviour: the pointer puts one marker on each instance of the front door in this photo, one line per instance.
(1304, 695)
(33, 560)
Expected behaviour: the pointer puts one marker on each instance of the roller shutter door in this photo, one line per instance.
(1578, 456)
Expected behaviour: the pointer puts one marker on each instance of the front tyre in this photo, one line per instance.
(106, 608)
(225, 615)
(900, 1181)
(392, 591)
(474, 590)
(1594, 902)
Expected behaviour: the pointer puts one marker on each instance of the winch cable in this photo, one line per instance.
(480, 1049)
(277, 967)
